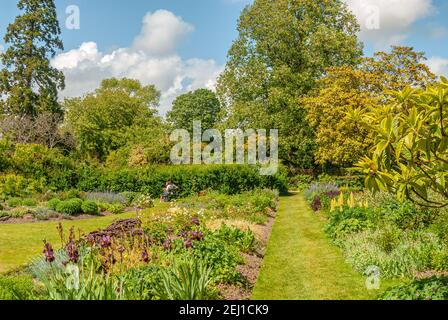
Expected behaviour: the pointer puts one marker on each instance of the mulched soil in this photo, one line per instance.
(250, 270)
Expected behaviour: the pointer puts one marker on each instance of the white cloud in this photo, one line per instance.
(152, 59)
(1, 48)
(388, 22)
(161, 32)
(438, 65)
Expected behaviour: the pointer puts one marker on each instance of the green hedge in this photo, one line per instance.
(229, 179)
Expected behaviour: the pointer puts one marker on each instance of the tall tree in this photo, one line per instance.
(283, 47)
(341, 141)
(107, 119)
(200, 105)
(28, 82)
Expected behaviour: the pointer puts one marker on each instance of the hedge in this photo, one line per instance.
(229, 179)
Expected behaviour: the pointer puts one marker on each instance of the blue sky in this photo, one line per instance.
(181, 45)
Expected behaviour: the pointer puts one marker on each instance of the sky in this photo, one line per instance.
(181, 45)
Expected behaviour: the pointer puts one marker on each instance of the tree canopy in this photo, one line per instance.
(102, 121)
(283, 48)
(202, 105)
(340, 141)
(28, 82)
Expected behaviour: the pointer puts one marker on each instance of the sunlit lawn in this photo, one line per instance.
(21, 242)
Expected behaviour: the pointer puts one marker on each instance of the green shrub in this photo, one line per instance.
(13, 185)
(221, 254)
(434, 288)
(39, 163)
(29, 202)
(440, 228)
(406, 215)
(19, 212)
(53, 203)
(143, 202)
(43, 213)
(89, 207)
(4, 214)
(300, 181)
(150, 180)
(116, 208)
(130, 197)
(345, 221)
(412, 251)
(14, 202)
(185, 279)
(70, 207)
(102, 207)
(17, 288)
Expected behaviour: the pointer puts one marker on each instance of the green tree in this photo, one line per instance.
(28, 81)
(283, 48)
(410, 155)
(106, 119)
(340, 141)
(201, 105)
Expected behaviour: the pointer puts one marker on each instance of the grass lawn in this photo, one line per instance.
(302, 264)
(21, 242)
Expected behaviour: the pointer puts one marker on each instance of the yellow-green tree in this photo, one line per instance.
(341, 141)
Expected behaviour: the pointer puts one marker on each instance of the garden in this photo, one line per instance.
(357, 210)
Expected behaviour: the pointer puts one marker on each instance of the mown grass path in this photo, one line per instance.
(302, 264)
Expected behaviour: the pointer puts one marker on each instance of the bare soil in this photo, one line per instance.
(251, 269)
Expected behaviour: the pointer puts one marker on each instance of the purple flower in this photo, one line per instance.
(167, 245)
(316, 205)
(188, 243)
(72, 251)
(195, 221)
(145, 256)
(48, 252)
(111, 258)
(196, 235)
(106, 242)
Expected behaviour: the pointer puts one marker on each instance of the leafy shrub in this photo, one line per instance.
(46, 166)
(17, 288)
(4, 214)
(300, 181)
(12, 185)
(434, 288)
(89, 207)
(116, 208)
(412, 252)
(150, 180)
(44, 213)
(130, 197)
(345, 221)
(221, 254)
(70, 207)
(440, 228)
(53, 203)
(143, 202)
(185, 279)
(14, 202)
(406, 215)
(19, 212)
(29, 202)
